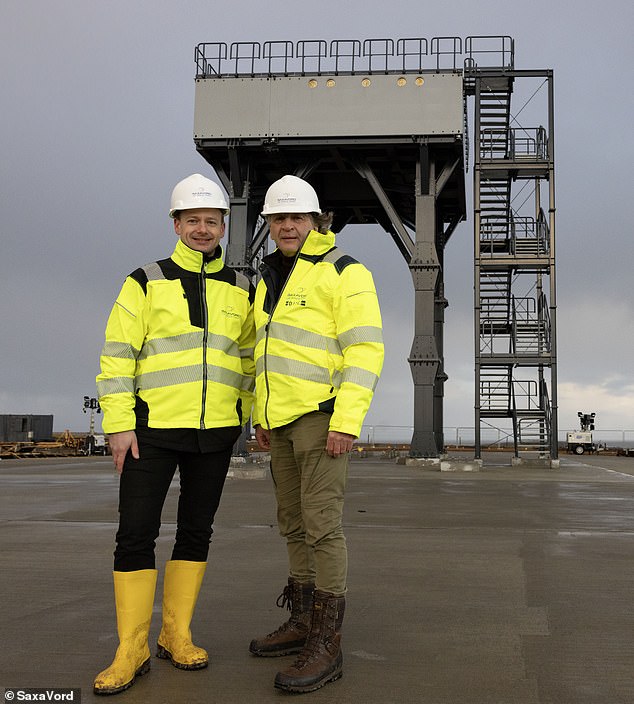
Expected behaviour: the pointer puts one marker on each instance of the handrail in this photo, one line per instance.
(514, 143)
(235, 54)
(501, 46)
(514, 236)
(542, 143)
(513, 340)
(543, 232)
(368, 50)
(322, 53)
(203, 61)
(401, 50)
(269, 47)
(354, 47)
(344, 56)
(454, 51)
(545, 404)
(544, 319)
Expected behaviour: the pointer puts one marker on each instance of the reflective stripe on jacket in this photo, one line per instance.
(179, 347)
(319, 340)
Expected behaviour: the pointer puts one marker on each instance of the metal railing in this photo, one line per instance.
(529, 143)
(531, 328)
(278, 50)
(514, 143)
(492, 436)
(351, 56)
(478, 49)
(514, 236)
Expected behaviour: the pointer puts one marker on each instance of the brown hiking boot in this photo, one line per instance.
(290, 637)
(321, 659)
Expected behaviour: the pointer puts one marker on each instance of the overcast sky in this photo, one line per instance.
(97, 127)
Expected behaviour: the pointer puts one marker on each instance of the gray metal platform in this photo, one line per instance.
(511, 585)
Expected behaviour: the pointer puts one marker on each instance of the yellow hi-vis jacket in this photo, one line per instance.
(319, 340)
(179, 347)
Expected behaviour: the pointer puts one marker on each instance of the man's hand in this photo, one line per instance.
(339, 444)
(263, 436)
(120, 443)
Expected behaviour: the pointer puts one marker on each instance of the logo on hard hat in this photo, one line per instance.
(286, 198)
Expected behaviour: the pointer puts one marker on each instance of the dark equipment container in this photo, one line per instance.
(26, 428)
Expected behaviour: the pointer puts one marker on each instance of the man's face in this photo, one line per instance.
(289, 231)
(200, 228)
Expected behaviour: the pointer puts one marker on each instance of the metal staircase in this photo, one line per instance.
(514, 281)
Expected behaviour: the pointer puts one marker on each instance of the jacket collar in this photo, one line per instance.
(315, 244)
(191, 260)
(318, 243)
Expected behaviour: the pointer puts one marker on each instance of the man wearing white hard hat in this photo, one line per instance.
(318, 355)
(176, 387)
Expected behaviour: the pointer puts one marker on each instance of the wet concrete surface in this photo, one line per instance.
(511, 585)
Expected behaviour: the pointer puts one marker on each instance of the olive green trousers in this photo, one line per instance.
(309, 487)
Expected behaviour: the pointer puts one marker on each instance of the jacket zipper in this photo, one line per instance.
(266, 340)
(203, 303)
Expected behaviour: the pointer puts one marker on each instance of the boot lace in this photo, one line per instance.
(285, 598)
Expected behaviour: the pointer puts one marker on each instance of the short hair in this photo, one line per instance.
(323, 221)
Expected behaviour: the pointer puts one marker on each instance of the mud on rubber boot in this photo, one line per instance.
(110, 680)
(134, 600)
(290, 637)
(181, 586)
(321, 658)
(185, 658)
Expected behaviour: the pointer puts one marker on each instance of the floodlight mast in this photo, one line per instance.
(586, 420)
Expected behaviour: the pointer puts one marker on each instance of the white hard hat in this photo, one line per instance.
(196, 191)
(290, 194)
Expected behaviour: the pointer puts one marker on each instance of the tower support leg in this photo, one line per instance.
(425, 357)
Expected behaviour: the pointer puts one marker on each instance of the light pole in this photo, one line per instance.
(91, 404)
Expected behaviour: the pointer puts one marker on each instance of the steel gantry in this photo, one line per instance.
(379, 127)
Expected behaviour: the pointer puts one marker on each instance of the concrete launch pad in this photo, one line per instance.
(509, 585)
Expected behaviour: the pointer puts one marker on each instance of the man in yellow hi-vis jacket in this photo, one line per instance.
(176, 387)
(319, 354)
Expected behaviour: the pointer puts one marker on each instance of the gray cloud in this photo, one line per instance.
(97, 127)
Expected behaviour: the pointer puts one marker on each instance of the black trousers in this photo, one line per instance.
(142, 490)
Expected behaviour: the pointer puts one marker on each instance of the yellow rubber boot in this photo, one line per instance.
(183, 579)
(134, 600)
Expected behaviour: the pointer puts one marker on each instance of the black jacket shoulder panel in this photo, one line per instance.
(343, 262)
(336, 257)
(225, 274)
(140, 276)
(171, 270)
(312, 258)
